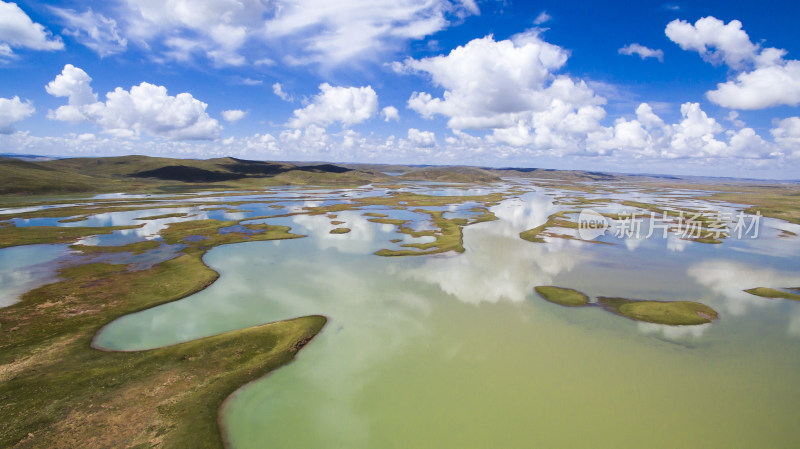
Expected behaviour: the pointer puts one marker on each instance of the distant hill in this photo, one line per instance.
(135, 173)
(469, 174)
(451, 174)
(25, 174)
(19, 176)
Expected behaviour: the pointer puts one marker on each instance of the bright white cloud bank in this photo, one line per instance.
(512, 91)
(347, 105)
(126, 113)
(13, 110)
(311, 31)
(17, 30)
(509, 87)
(764, 78)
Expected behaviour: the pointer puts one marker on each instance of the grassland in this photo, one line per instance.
(471, 175)
(56, 391)
(152, 174)
(32, 235)
(133, 248)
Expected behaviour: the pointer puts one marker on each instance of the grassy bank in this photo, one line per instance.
(56, 391)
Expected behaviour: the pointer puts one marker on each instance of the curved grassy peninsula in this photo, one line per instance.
(675, 313)
(563, 296)
(57, 391)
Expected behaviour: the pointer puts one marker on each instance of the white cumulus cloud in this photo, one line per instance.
(390, 113)
(764, 87)
(510, 88)
(347, 105)
(421, 138)
(126, 113)
(13, 110)
(641, 51)
(716, 41)
(17, 30)
(233, 115)
(764, 79)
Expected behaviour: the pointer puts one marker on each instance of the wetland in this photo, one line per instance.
(416, 314)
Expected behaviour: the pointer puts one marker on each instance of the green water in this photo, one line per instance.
(457, 351)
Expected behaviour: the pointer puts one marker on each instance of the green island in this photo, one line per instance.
(562, 296)
(766, 292)
(673, 313)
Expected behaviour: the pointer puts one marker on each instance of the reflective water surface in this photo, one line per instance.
(456, 350)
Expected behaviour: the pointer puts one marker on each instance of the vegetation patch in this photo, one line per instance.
(134, 248)
(471, 175)
(562, 296)
(766, 292)
(157, 217)
(484, 215)
(776, 201)
(73, 219)
(559, 219)
(340, 231)
(675, 313)
(391, 221)
(449, 237)
(204, 234)
(33, 235)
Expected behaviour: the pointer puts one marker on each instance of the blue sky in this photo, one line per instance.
(704, 88)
